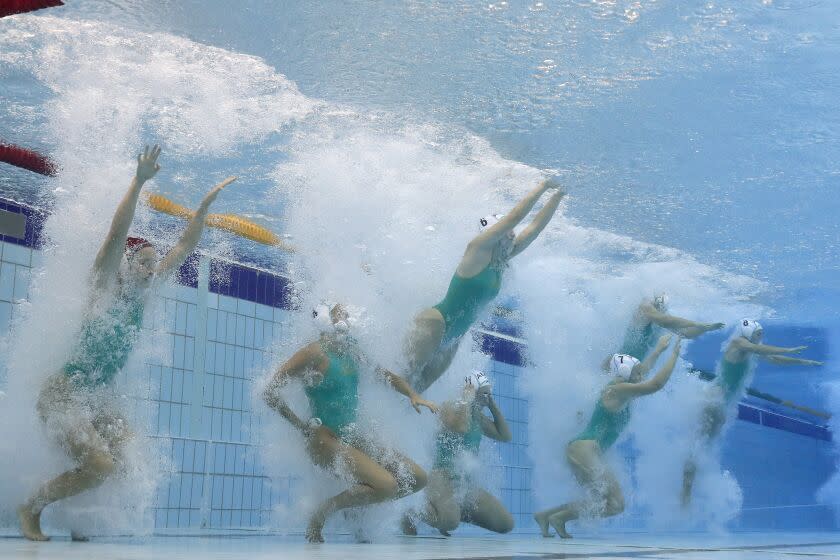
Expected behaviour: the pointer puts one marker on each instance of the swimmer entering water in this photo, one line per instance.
(650, 317)
(329, 367)
(729, 385)
(437, 331)
(585, 453)
(73, 403)
(453, 496)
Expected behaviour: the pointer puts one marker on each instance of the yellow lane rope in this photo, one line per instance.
(227, 222)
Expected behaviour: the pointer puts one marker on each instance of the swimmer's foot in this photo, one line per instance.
(444, 533)
(558, 521)
(78, 537)
(30, 524)
(315, 527)
(407, 525)
(542, 520)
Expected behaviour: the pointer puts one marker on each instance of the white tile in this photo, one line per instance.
(264, 312)
(247, 308)
(280, 314)
(5, 317)
(7, 281)
(227, 303)
(213, 300)
(17, 254)
(187, 294)
(37, 259)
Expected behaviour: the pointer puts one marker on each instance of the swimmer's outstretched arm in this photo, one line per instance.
(626, 391)
(401, 386)
(764, 349)
(788, 361)
(307, 359)
(684, 327)
(650, 360)
(110, 254)
(530, 233)
(497, 428)
(192, 233)
(497, 231)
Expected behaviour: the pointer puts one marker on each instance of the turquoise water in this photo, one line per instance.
(712, 124)
(707, 129)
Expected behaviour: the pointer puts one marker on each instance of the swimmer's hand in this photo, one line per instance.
(147, 165)
(417, 401)
(714, 326)
(554, 185)
(664, 341)
(214, 192)
(795, 349)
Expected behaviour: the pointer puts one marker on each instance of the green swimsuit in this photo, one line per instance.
(605, 425)
(105, 344)
(732, 377)
(451, 445)
(465, 299)
(639, 341)
(336, 399)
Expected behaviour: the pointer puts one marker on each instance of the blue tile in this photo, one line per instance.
(188, 271)
(749, 414)
(188, 464)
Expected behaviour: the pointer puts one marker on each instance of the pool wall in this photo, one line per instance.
(220, 321)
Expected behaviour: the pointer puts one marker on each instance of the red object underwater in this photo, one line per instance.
(26, 159)
(12, 7)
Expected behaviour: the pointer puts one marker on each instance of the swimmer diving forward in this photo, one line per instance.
(650, 317)
(585, 453)
(330, 369)
(733, 373)
(73, 402)
(434, 337)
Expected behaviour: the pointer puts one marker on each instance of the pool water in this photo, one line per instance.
(699, 144)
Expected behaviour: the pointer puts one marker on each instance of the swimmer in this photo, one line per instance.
(73, 403)
(452, 494)
(585, 453)
(330, 369)
(437, 331)
(729, 386)
(650, 317)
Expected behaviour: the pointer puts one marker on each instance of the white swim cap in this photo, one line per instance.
(321, 315)
(660, 301)
(748, 328)
(490, 220)
(479, 379)
(622, 365)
